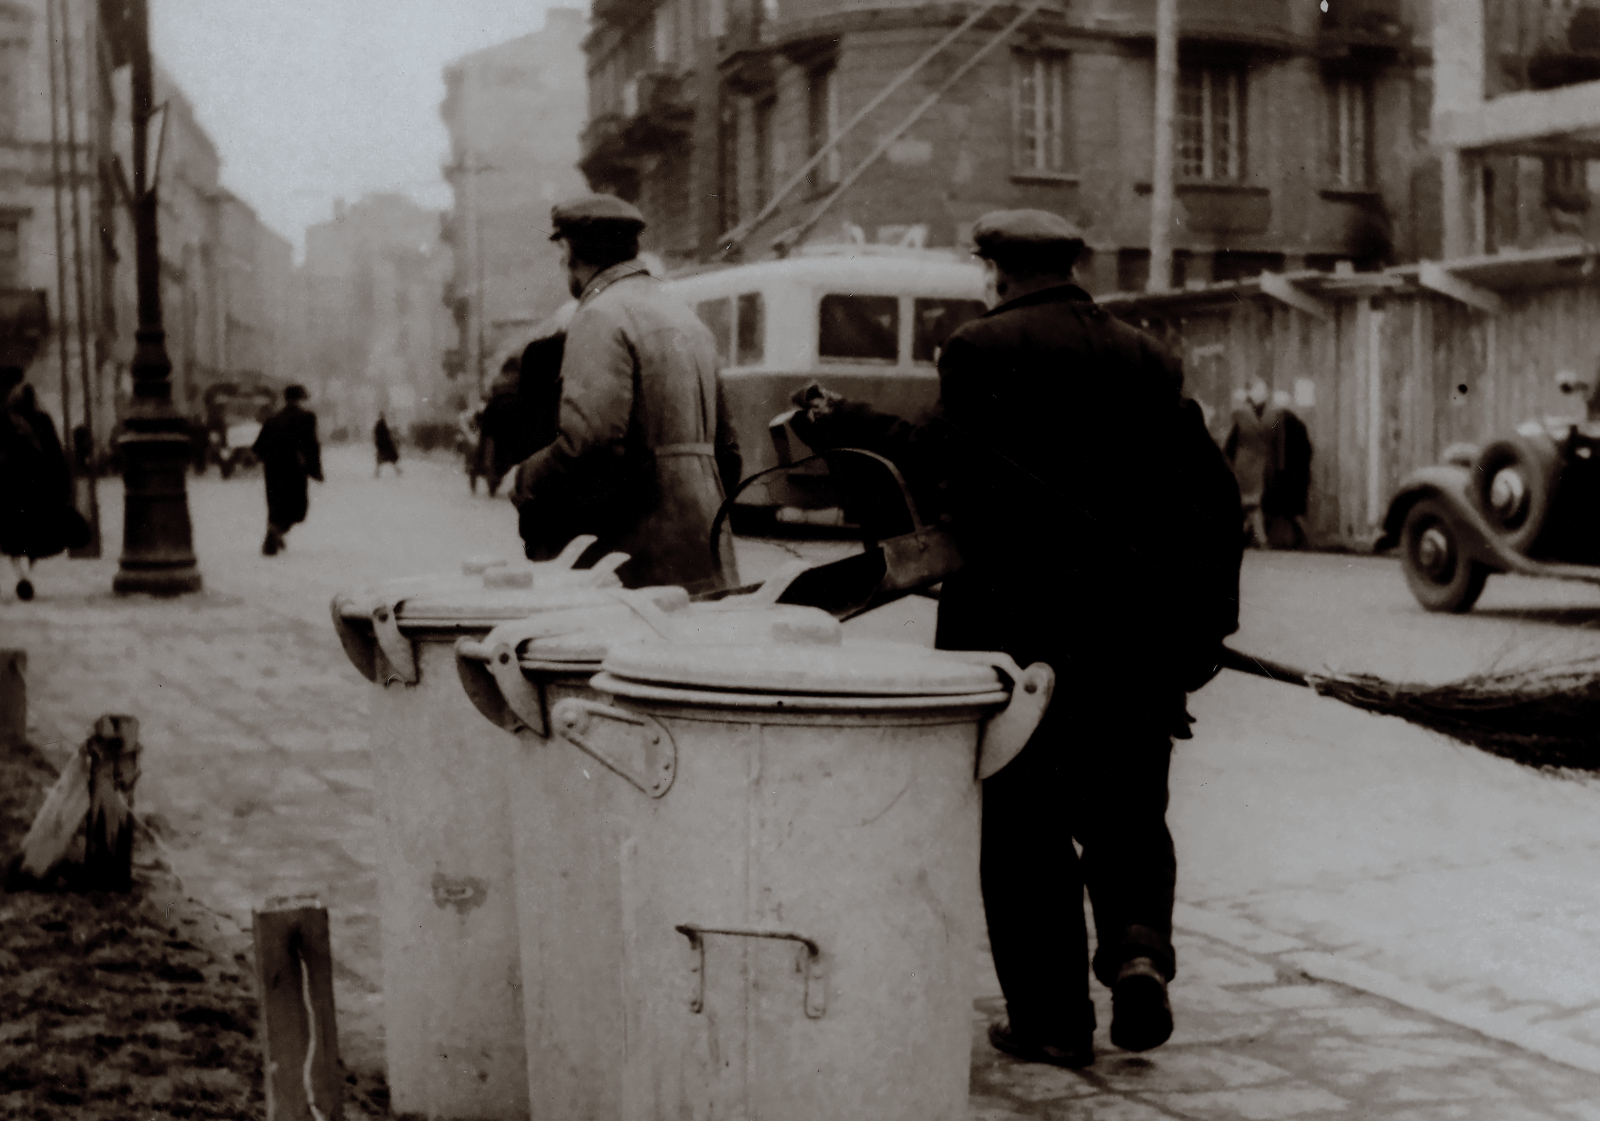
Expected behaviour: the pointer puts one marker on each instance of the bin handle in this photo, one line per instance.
(522, 698)
(575, 548)
(359, 647)
(635, 746)
(816, 971)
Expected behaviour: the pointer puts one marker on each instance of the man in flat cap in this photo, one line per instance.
(290, 454)
(645, 450)
(1098, 526)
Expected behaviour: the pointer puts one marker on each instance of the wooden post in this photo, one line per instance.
(113, 752)
(1161, 171)
(13, 696)
(299, 1037)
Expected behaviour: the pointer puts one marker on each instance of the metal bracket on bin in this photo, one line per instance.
(816, 972)
(637, 747)
(524, 699)
(1007, 732)
(396, 647)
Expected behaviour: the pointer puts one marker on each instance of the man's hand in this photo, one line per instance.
(816, 401)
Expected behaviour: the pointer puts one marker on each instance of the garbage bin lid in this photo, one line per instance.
(853, 668)
(474, 601)
(696, 624)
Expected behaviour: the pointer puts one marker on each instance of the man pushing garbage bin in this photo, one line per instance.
(1099, 529)
(645, 449)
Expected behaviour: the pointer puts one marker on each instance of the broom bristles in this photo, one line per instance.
(1546, 717)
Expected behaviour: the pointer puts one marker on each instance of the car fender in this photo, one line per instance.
(1452, 486)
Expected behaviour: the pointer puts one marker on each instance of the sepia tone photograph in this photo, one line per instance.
(799, 560)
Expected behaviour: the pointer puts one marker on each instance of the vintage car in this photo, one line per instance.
(1529, 504)
(867, 321)
(234, 413)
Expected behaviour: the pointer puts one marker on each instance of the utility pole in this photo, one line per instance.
(157, 537)
(1161, 174)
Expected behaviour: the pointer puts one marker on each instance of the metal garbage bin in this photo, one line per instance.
(447, 914)
(570, 816)
(800, 904)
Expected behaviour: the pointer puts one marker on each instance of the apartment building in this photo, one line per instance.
(1302, 129)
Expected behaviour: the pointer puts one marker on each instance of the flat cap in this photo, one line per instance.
(588, 211)
(1000, 229)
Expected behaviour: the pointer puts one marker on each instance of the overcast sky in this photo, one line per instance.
(311, 100)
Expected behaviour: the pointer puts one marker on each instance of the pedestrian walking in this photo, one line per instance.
(1117, 564)
(37, 517)
(289, 453)
(1269, 450)
(1248, 449)
(383, 444)
(645, 450)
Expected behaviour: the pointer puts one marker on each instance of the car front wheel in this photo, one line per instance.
(1439, 574)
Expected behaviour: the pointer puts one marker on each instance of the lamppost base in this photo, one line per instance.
(156, 581)
(157, 550)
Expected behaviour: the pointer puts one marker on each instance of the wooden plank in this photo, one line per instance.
(299, 1035)
(1282, 289)
(1522, 117)
(13, 696)
(56, 827)
(1435, 276)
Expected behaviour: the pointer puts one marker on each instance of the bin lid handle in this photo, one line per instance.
(395, 647)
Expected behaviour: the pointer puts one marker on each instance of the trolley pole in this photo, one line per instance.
(157, 537)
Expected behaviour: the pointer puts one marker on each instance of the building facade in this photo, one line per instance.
(514, 114)
(1302, 134)
(374, 331)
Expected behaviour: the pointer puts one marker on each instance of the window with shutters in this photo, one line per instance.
(1349, 133)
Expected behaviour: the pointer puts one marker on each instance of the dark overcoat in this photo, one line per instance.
(37, 518)
(290, 454)
(383, 443)
(645, 446)
(1097, 519)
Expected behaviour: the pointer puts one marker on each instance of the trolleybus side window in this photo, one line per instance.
(752, 329)
(718, 315)
(935, 320)
(859, 328)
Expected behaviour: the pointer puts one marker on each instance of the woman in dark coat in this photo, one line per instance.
(289, 455)
(37, 518)
(383, 444)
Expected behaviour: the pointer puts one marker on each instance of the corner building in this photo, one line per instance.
(1302, 134)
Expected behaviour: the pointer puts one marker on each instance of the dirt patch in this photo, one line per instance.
(125, 1006)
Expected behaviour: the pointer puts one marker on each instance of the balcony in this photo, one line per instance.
(657, 110)
(1358, 24)
(24, 321)
(1568, 50)
(606, 158)
(1265, 23)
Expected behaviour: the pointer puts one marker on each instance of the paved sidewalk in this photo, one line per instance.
(258, 779)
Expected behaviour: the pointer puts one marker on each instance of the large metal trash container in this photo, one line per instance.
(800, 898)
(447, 913)
(570, 815)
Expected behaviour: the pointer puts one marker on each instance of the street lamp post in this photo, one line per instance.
(157, 538)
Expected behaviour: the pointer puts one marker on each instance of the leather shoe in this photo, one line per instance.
(1141, 1017)
(1038, 1051)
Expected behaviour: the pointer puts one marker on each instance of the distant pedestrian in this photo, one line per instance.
(37, 517)
(645, 450)
(383, 444)
(1125, 587)
(1288, 491)
(1248, 449)
(1270, 451)
(289, 453)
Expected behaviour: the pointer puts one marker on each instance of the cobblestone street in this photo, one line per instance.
(1372, 922)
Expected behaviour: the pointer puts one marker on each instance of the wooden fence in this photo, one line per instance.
(1388, 369)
